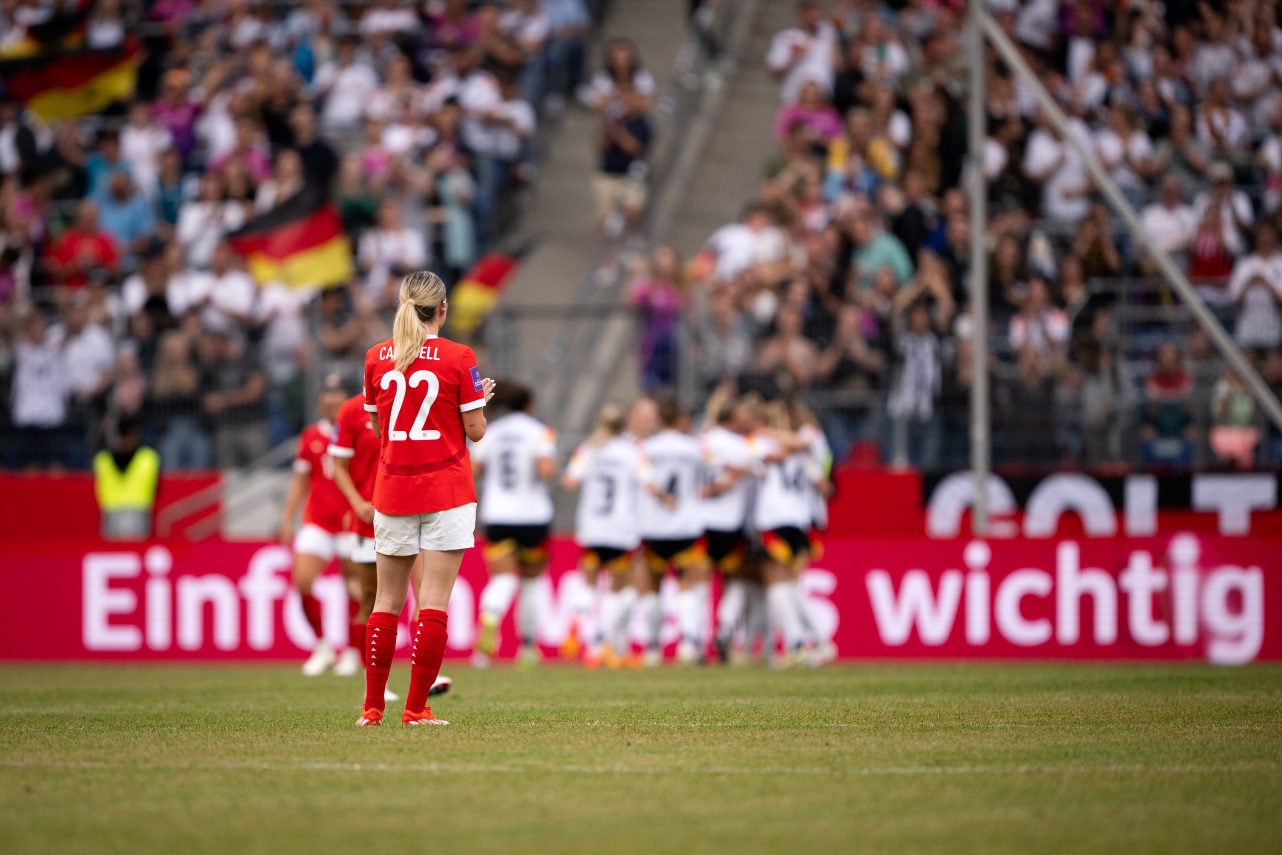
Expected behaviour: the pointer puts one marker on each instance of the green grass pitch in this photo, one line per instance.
(861, 758)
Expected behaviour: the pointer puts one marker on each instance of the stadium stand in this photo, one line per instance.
(845, 279)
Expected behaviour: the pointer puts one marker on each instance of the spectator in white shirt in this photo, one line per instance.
(1236, 216)
(88, 357)
(388, 251)
(1255, 288)
(498, 125)
(386, 17)
(739, 247)
(232, 294)
(204, 221)
(1220, 125)
(1170, 222)
(142, 141)
(39, 409)
(1127, 153)
(805, 52)
(344, 85)
(1040, 327)
(1056, 167)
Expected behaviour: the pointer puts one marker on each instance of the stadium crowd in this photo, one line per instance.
(846, 277)
(119, 294)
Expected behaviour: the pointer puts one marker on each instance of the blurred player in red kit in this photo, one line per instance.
(323, 535)
(426, 398)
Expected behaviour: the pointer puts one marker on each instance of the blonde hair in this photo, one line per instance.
(422, 293)
(609, 424)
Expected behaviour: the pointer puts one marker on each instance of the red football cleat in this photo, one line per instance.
(370, 718)
(413, 719)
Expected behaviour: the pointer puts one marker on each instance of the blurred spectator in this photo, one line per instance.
(913, 398)
(568, 26)
(1234, 207)
(1094, 246)
(142, 142)
(1168, 410)
(623, 72)
(1169, 222)
(805, 52)
(875, 249)
(1255, 289)
(39, 412)
(86, 252)
(1235, 431)
(232, 400)
(126, 215)
(176, 406)
(387, 252)
(344, 86)
(1040, 329)
(659, 295)
(1107, 402)
(126, 475)
(206, 220)
(625, 143)
(89, 358)
(1210, 259)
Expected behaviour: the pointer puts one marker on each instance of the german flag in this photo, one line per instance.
(300, 242)
(65, 81)
(478, 291)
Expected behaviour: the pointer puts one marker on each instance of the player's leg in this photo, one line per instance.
(650, 585)
(352, 659)
(499, 592)
(532, 558)
(733, 607)
(694, 573)
(616, 611)
(580, 637)
(781, 600)
(440, 570)
(393, 573)
(313, 550)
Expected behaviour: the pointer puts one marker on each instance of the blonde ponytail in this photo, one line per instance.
(422, 293)
(609, 424)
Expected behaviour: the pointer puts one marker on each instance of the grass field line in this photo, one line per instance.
(621, 769)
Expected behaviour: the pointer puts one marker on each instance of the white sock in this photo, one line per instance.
(528, 612)
(689, 619)
(582, 598)
(652, 619)
(498, 595)
(810, 616)
(784, 618)
(734, 601)
(616, 618)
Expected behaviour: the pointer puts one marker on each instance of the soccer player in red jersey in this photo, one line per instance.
(322, 537)
(426, 398)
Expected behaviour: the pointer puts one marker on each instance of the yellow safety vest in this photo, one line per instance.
(133, 489)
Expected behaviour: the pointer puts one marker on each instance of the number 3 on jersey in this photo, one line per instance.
(416, 379)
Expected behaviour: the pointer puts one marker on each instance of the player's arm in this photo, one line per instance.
(577, 468)
(343, 481)
(474, 419)
(293, 498)
(733, 475)
(545, 462)
(373, 424)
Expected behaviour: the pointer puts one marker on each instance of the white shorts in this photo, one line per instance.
(314, 540)
(344, 543)
(443, 531)
(363, 550)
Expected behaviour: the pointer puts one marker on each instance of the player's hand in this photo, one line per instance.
(365, 511)
(669, 501)
(488, 386)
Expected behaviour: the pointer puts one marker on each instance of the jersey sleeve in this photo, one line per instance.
(371, 405)
(546, 447)
(578, 465)
(471, 394)
(303, 461)
(343, 442)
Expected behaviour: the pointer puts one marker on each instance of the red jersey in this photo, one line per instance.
(326, 506)
(355, 440)
(423, 464)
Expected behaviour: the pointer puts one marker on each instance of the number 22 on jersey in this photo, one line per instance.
(416, 431)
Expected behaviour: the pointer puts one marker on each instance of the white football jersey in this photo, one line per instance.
(512, 493)
(821, 461)
(726, 449)
(609, 479)
(674, 463)
(783, 491)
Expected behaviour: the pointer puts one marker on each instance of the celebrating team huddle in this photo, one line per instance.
(389, 474)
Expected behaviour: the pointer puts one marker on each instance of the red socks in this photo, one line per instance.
(355, 631)
(380, 649)
(429, 650)
(312, 611)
